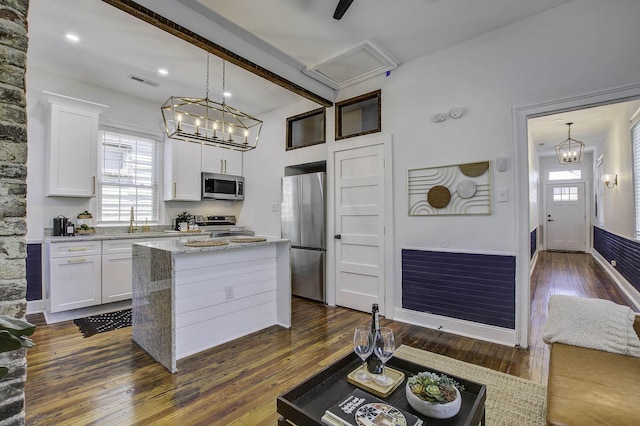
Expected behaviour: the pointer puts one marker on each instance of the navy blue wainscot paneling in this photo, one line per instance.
(534, 242)
(472, 287)
(624, 251)
(34, 272)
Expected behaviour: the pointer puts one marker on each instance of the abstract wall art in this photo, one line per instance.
(461, 189)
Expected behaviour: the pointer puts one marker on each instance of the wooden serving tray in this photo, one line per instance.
(373, 387)
(248, 240)
(205, 243)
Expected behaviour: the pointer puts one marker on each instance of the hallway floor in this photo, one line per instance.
(568, 273)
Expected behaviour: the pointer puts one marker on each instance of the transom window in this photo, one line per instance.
(565, 193)
(128, 177)
(565, 174)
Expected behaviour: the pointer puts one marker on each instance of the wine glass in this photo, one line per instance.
(363, 347)
(384, 346)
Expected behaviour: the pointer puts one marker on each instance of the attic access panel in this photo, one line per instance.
(352, 66)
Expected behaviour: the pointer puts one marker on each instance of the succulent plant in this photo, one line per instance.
(434, 388)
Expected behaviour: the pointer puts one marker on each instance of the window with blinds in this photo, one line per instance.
(635, 136)
(128, 177)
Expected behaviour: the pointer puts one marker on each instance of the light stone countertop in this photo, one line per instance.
(178, 247)
(124, 236)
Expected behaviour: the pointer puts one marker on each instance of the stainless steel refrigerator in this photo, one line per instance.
(303, 222)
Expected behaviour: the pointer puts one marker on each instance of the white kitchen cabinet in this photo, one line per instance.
(74, 275)
(73, 146)
(182, 164)
(116, 270)
(221, 160)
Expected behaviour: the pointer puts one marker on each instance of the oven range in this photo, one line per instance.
(220, 226)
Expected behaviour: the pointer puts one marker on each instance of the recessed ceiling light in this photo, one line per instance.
(163, 71)
(226, 94)
(72, 37)
(558, 120)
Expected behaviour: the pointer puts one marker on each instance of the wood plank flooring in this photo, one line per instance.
(107, 379)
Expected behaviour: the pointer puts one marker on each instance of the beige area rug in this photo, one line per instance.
(510, 400)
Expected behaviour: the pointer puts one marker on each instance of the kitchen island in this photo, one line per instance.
(188, 299)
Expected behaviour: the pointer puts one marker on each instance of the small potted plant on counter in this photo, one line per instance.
(434, 395)
(183, 220)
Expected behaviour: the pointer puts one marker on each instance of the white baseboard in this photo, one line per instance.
(51, 318)
(35, 306)
(622, 283)
(489, 333)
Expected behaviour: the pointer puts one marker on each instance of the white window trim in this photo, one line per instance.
(156, 170)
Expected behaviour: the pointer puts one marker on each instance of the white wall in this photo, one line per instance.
(618, 201)
(264, 166)
(125, 112)
(577, 48)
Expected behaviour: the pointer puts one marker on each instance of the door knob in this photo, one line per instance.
(337, 237)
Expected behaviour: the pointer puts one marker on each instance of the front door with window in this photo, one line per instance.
(566, 217)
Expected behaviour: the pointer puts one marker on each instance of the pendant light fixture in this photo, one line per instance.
(204, 121)
(570, 150)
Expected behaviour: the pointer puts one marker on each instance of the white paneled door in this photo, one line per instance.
(566, 217)
(359, 226)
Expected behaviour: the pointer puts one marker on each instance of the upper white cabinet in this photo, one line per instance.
(73, 146)
(221, 160)
(182, 163)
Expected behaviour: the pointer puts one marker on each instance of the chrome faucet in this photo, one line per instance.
(131, 222)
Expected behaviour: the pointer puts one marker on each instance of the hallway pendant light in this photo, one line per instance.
(204, 121)
(570, 150)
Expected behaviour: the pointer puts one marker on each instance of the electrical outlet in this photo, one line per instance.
(228, 293)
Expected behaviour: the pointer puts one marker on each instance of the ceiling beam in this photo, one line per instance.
(189, 36)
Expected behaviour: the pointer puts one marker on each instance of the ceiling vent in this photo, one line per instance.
(352, 66)
(143, 80)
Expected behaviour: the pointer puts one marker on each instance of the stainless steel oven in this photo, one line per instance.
(217, 186)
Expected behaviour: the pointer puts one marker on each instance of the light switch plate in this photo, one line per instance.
(275, 207)
(503, 195)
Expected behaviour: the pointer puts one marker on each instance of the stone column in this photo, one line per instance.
(13, 192)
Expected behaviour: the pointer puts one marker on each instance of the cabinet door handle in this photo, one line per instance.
(80, 260)
(225, 166)
(174, 190)
(221, 165)
(94, 185)
(77, 249)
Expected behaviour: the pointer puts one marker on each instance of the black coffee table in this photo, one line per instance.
(306, 403)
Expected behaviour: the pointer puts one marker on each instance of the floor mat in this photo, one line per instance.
(104, 322)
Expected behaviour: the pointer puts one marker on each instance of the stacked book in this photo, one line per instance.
(363, 409)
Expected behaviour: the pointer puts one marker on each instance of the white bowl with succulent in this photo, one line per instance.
(434, 395)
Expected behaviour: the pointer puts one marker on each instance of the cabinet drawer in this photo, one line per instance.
(118, 246)
(71, 249)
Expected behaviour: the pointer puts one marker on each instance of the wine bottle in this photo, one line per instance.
(374, 365)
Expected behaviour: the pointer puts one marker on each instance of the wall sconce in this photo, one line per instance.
(610, 180)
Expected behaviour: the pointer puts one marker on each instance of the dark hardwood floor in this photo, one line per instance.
(108, 379)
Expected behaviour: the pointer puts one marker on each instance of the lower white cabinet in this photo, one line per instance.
(116, 270)
(88, 273)
(74, 275)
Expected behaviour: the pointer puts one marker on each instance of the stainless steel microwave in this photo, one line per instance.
(217, 186)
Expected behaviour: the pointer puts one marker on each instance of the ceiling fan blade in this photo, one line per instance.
(342, 7)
